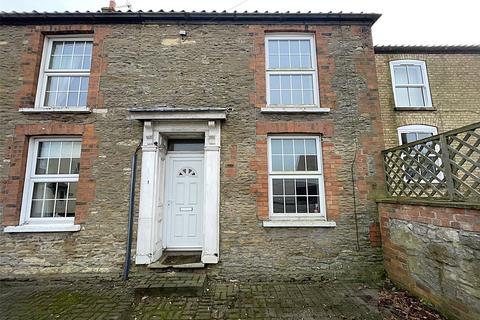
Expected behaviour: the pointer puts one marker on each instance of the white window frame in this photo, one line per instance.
(425, 86)
(28, 224)
(322, 215)
(415, 128)
(312, 71)
(420, 128)
(44, 72)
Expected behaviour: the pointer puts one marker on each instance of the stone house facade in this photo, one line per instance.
(448, 98)
(258, 132)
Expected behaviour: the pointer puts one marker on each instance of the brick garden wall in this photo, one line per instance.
(147, 65)
(454, 87)
(433, 251)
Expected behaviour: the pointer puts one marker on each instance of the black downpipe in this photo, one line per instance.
(131, 209)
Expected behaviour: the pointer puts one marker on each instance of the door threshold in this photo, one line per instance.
(179, 260)
(177, 251)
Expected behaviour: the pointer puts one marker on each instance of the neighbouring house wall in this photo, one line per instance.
(454, 88)
(222, 65)
(434, 252)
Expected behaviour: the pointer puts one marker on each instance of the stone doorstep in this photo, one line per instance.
(159, 265)
(185, 284)
(178, 260)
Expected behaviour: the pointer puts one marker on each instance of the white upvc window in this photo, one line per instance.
(50, 190)
(291, 71)
(410, 83)
(296, 188)
(412, 133)
(64, 73)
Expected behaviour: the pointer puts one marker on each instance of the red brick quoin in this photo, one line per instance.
(32, 58)
(17, 153)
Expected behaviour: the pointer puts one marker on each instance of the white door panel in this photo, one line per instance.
(184, 190)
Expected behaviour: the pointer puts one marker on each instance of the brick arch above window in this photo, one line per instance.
(413, 119)
(410, 133)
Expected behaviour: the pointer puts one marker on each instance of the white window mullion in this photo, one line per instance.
(55, 199)
(43, 200)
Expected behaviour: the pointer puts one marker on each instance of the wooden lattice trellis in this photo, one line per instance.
(445, 166)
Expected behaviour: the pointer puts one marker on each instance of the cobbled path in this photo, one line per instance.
(219, 300)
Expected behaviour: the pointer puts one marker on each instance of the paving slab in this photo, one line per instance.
(217, 300)
(167, 284)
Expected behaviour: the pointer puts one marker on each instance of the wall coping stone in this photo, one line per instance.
(430, 203)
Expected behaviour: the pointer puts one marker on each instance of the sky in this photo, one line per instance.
(403, 22)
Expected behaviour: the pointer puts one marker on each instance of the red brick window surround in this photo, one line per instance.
(32, 60)
(291, 70)
(18, 152)
(331, 163)
(325, 64)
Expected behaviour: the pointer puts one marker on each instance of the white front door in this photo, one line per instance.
(184, 194)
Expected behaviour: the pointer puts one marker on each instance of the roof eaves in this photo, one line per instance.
(125, 17)
(445, 49)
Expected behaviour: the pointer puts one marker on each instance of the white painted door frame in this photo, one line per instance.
(170, 196)
(150, 236)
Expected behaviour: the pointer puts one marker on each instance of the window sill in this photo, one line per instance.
(415, 109)
(55, 110)
(299, 223)
(43, 228)
(294, 110)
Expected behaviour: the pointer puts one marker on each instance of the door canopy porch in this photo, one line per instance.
(158, 124)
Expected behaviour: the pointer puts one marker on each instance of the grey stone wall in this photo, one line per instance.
(149, 65)
(442, 260)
